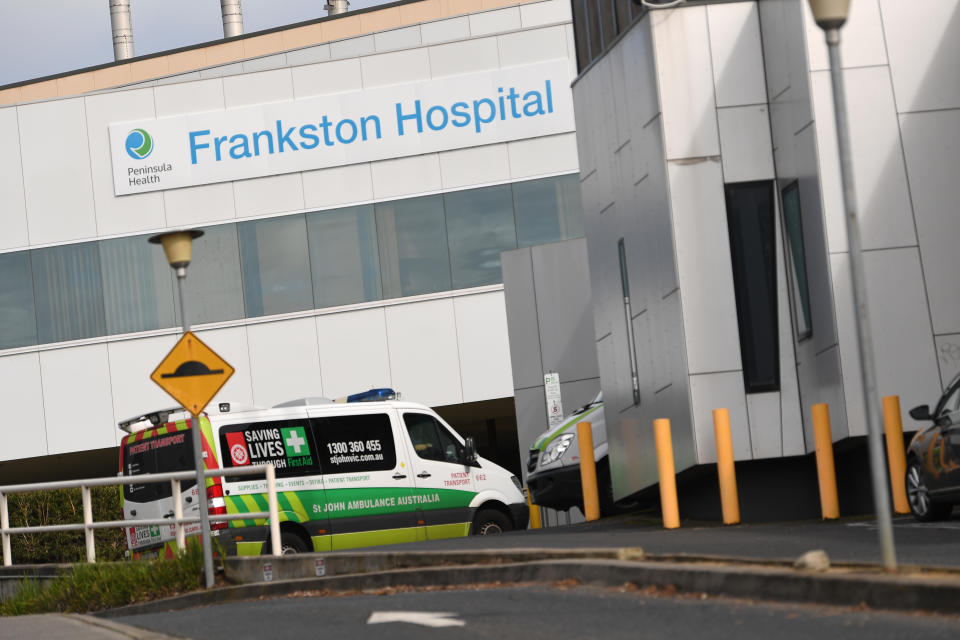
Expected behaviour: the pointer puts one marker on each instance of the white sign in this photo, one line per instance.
(551, 388)
(326, 131)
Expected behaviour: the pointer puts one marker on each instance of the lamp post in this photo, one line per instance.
(830, 16)
(178, 245)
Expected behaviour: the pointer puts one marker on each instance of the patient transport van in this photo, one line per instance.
(369, 471)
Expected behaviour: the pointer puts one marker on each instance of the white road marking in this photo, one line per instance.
(425, 618)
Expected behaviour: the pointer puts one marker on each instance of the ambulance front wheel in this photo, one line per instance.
(490, 522)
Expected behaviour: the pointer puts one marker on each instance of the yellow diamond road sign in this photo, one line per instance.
(192, 373)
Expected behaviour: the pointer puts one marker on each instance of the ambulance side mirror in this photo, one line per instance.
(470, 451)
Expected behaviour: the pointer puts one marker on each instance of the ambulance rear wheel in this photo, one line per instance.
(490, 522)
(291, 543)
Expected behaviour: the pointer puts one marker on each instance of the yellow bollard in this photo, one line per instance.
(725, 469)
(534, 511)
(896, 456)
(668, 474)
(588, 472)
(826, 473)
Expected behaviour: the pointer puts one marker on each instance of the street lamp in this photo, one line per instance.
(830, 16)
(178, 245)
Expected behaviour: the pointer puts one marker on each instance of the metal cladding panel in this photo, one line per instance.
(483, 346)
(131, 362)
(861, 43)
(22, 395)
(562, 282)
(140, 212)
(78, 377)
(424, 358)
(523, 325)
(13, 213)
(353, 352)
(284, 361)
(879, 174)
(55, 153)
(923, 49)
(687, 95)
(906, 362)
(736, 54)
(932, 145)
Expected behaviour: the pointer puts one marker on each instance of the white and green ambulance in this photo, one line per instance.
(370, 471)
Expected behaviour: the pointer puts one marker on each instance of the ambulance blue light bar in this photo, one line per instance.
(373, 395)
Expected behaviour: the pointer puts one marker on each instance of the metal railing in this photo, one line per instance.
(178, 520)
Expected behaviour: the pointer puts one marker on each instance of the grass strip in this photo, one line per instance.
(92, 587)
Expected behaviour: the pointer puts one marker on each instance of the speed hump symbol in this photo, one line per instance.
(192, 373)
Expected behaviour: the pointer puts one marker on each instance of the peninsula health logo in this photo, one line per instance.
(139, 144)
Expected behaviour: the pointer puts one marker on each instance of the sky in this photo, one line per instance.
(46, 37)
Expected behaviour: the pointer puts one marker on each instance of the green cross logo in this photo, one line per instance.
(295, 441)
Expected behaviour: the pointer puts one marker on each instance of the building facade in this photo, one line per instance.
(356, 179)
(711, 188)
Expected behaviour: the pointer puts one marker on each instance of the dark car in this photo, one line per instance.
(933, 459)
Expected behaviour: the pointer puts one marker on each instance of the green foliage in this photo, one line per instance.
(91, 587)
(64, 506)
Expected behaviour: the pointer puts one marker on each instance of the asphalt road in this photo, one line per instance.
(850, 540)
(534, 612)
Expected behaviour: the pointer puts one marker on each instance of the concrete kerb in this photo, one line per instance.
(843, 587)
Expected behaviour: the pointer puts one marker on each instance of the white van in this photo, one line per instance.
(369, 471)
(554, 462)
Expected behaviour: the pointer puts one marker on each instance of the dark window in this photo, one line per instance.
(18, 320)
(594, 35)
(624, 15)
(581, 35)
(349, 444)
(432, 441)
(480, 224)
(68, 290)
(287, 444)
(159, 454)
(276, 265)
(797, 261)
(750, 216)
(413, 246)
(608, 21)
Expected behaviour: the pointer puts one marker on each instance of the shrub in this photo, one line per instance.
(64, 506)
(92, 587)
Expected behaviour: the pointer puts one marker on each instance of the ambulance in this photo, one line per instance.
(554, 463)
(369, 470)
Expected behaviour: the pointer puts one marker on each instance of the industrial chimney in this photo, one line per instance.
(232, 18)
(122, 31)
(336, 7)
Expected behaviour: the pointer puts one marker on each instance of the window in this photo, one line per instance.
(796, 258)
(137, 285)
(413, 247)
(350, 444)
(287, 444)
(344, 260)
(750, 217)
(214, 290)
(548, 210)
(276, 265)
(479, 226)
(18, 320)
(68, 290)
(432, 441)
(160, 454)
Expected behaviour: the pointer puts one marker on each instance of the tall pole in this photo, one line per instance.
(871, 399)
(198, 452)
